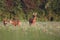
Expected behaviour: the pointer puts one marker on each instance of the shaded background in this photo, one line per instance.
(23, 9)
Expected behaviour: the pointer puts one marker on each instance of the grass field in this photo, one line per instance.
(40, 31)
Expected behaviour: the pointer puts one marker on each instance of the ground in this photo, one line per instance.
(39, 31)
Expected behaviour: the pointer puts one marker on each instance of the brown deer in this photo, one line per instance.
(5, 21)
(15, 22)
(33, 19)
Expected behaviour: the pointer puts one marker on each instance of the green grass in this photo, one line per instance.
(30, 33)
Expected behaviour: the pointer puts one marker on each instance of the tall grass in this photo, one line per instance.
(40, 31)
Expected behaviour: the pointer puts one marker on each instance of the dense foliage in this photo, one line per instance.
(23, 9)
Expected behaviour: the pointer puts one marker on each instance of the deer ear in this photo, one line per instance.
(34, 13)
